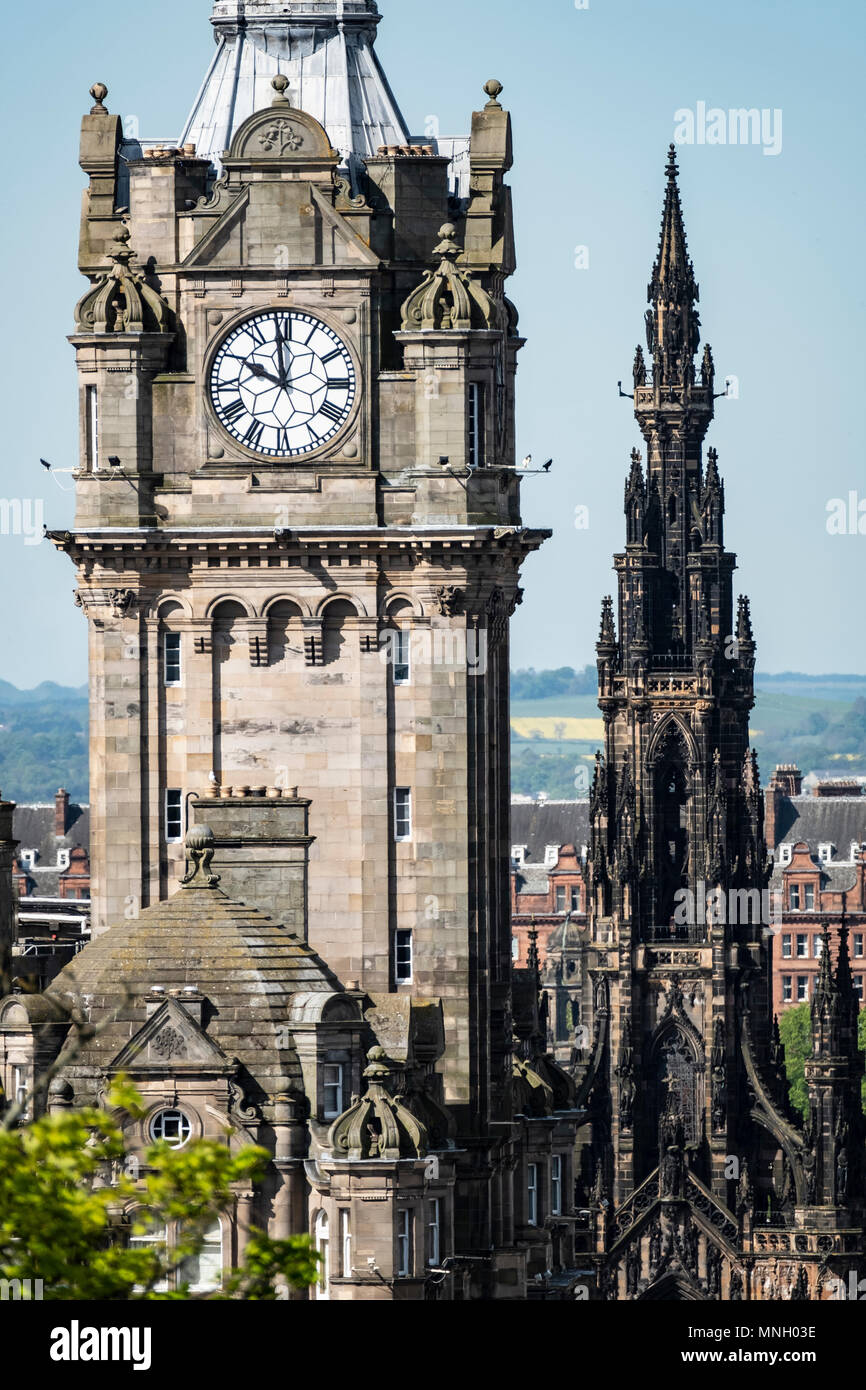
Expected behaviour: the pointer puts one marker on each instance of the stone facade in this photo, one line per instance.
(298, 574)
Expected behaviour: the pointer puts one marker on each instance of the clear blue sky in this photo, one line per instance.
(777, 244)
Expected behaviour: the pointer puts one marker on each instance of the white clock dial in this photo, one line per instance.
(283, 383)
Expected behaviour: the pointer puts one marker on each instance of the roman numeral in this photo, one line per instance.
(283, 445)
(255, 333)
(331, 412)
(254, 434)
(331, 355)
(234, 411)
(338, 383)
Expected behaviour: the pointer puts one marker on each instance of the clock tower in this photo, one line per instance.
(297, 538)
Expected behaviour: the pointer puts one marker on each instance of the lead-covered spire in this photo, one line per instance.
(325, 49)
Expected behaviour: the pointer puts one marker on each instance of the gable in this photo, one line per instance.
(171, 1038)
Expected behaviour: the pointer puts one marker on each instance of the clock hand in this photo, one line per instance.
(260, 371)
(281, 361)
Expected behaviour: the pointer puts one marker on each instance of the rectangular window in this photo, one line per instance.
(91, 425)
(786, 946)
(402, 813)
(403, 953)
(802, 989)
(515, 948)
(787, 988)
(171, 657)
(332, 1087)
(404, 1242)
(858, 987)
(556, 1185)
(476, 424)
(810, 897)
(345, 1244)
(802, 946)
(532, 1194)
(434, 1232)
(819, 946)
(173, 814)
(19, 1085)
(794, 900)
(858, 943)
(401, 653)
(575, 900)
(560, 899)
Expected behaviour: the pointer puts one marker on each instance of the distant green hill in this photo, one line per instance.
(43, 742)
(818, 722)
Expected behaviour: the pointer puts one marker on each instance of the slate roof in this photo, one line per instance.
(245, 963)
(538, 824)
(822, 820)
(33, 827)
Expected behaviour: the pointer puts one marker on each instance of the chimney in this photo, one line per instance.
(61, 812)
(787, 780)
(261, 850)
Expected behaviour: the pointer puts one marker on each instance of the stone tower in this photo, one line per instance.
(691, 1145)
(297, 537)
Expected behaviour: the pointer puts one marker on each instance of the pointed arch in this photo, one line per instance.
(672, 724)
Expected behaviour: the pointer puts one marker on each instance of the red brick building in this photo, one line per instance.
(818, 843)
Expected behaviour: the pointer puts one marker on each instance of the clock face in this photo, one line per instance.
(283, 383)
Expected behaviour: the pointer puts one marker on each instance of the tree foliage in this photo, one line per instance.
(65, 1180)
(795, 1028)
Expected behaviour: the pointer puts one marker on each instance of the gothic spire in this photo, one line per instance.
(673, 322)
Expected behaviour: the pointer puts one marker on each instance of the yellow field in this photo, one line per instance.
(559, 729)
(572, 730)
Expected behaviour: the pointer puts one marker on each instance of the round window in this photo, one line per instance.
(171, 1127)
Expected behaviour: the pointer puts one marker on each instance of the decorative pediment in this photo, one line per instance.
(280, 135)
(171, 1039)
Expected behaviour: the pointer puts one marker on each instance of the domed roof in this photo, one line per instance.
(244, 963)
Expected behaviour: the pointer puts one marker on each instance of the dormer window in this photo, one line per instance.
(63, 859)
(825, 853)
(332, 1087)
(551, 856)
(786, 854)
(518, 856)
(855, 851)
(30, 857)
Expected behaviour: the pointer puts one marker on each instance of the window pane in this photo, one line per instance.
(403, 955)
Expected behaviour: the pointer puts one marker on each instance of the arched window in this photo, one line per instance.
(333, 624)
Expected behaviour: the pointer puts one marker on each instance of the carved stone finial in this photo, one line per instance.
(448, 296)
(99, 92)
(494, 91)
(200, 845)
(280, 84)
